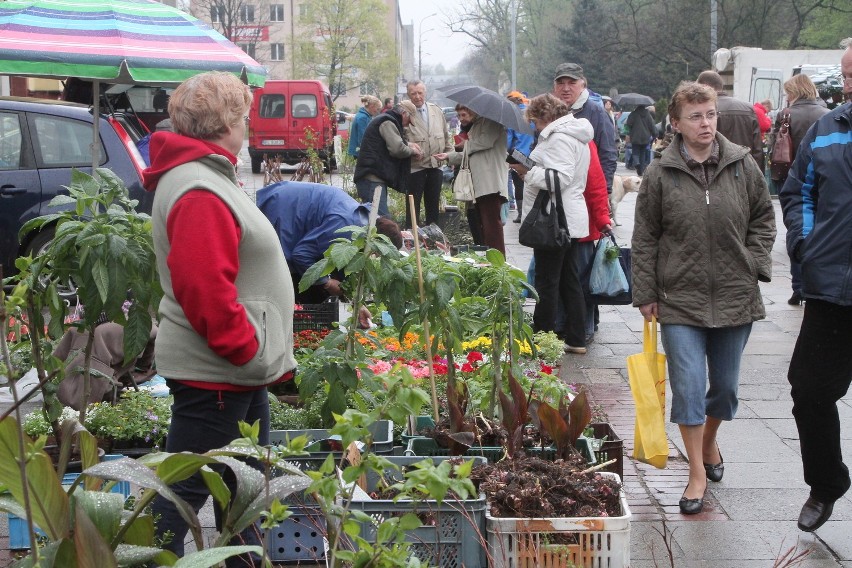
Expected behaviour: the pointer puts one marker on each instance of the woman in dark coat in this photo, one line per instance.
(640, 126)
(805, 108)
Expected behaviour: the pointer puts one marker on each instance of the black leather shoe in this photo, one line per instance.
(691, 506)
(795, 299)
(814, 514)
(715, 472)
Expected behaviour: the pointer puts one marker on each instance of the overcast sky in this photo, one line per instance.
(439, 45)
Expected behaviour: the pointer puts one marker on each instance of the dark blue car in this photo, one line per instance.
(40, 142)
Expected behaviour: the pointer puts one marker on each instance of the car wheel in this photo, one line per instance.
(37, 245)
(255, 164)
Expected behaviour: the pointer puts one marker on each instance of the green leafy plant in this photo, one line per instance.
(136, 418)
(105, 249)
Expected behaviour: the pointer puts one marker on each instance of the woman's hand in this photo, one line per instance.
(519, 169)
(649, 311)
(441, 156)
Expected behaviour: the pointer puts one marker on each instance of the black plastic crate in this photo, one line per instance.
(612, 448)
(315, 316)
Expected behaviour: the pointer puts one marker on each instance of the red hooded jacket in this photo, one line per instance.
(597, 199)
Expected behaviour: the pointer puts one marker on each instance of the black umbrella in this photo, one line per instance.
(633, 99)
(489, 104)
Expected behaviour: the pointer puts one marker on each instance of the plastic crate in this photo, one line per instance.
(587, 542)
(611, 449)
(453, 531)
(315, 316)
(420, 446)
(19, 535)
(420, 423)
(301, 536)
(382, 431)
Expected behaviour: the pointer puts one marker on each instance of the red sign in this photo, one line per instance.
(250, 34)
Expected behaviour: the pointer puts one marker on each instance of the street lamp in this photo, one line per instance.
(420, 44)
(514, 18)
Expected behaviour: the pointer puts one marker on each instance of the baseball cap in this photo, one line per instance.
(571, 70)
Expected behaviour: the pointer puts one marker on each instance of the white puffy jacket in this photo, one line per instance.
(563, 145)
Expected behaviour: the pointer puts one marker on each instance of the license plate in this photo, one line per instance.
(272, 143)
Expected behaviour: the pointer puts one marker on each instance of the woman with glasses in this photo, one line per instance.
(702, 240)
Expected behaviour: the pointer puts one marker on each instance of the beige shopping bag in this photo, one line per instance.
(647, 374)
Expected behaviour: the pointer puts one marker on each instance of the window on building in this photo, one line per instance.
(247, 13)
(248, 48)
(303, 10)
(276, 12)
(217, 13)
(365, 48)
(338, 89)
(368, 88)
(276, 51)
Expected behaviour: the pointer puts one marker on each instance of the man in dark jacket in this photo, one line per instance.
(307, 217)
(640, 126)
(569, 85)
(737, 121)
(384, 158)
(817, 207)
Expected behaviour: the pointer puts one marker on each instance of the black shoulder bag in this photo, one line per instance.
(545, 228)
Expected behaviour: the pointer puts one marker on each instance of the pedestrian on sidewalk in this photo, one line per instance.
(563, 150)
(818, 213)
(704, 229)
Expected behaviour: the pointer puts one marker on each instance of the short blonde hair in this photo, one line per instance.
(800, 87)
(206, 105)
(546, 108)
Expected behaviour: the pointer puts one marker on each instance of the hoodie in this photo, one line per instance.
(563, 145)
(204, 263)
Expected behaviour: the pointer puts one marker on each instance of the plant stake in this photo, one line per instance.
(428, 342)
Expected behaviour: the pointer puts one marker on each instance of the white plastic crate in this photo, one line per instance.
(590, 542)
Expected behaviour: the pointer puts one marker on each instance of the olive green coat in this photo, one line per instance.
(700, 253)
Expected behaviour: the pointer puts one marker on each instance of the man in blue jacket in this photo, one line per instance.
(817, 204)
(306, 217)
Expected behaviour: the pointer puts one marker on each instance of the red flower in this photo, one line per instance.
(474, 356)
(546, 369)
(468, 368)
(439, 369)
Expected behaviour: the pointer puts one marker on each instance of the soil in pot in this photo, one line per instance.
(534, 488)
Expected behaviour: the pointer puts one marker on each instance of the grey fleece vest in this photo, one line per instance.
(263, 283)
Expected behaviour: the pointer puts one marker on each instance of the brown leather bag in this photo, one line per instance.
(782, 151)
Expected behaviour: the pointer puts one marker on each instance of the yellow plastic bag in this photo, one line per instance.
(647, 374)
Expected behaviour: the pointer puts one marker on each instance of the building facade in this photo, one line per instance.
(268, 31)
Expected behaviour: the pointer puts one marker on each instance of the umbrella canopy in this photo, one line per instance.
(633, 99)
(489, 104)
(118, 41)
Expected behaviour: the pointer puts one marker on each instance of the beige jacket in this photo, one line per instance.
(433, 139)
(486, 148)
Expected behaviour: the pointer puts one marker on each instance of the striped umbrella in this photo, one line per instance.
(118, 41)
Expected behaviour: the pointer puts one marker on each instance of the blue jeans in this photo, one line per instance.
(641, 157)
(696, 354)
(366, 188)
(203, 420)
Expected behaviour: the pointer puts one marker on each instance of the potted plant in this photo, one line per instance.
(134, 425)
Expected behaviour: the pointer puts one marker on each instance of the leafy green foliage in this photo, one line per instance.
(566, 424)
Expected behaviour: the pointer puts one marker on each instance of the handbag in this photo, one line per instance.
(544, 227)
(607, 277)
(647, 374)
(463, 184)
(782, 151)
(624, 260)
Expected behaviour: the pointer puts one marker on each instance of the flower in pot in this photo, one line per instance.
(137, 421)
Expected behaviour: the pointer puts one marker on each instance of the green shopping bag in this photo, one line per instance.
(647, 374)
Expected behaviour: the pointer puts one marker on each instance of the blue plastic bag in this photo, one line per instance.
(607, 277)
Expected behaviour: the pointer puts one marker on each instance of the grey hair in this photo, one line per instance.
(846, 43)
(414, 83)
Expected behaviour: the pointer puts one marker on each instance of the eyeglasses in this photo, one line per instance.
(697, 117)
(246, 119)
